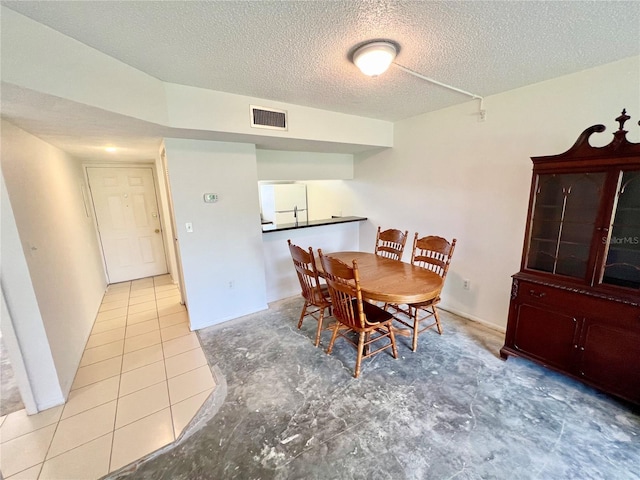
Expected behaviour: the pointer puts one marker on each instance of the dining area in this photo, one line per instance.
(370, 299)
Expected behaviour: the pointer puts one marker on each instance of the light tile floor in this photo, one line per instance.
(142, 378)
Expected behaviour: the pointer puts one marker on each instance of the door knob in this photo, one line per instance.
(157, 230)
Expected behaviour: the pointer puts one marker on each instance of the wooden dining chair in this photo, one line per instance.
(368, 321)
(433, 253)
(390, 243)
(316, 296)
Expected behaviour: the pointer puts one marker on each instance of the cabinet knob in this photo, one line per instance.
(533, 293)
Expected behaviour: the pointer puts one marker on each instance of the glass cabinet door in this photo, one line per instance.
(622, 264)
(563, 221)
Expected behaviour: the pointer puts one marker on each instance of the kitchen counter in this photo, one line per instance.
(266, 228)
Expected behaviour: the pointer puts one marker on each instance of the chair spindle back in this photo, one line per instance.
(390, 243)
(305, 265)
(433, 253)
(344, 287)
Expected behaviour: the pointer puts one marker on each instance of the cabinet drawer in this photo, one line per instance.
(534, 293)
(579, 304)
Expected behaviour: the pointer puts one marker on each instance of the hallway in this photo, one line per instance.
(142, 378)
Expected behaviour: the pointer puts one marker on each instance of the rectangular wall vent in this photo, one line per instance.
(262, 117)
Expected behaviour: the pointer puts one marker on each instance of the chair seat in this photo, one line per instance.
(374, 313)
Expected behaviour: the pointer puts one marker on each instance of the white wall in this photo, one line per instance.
(453, 176)
(326, 198)
(24, 318)
(226, 243)
(42, 59)
(198, 108)
(284, 165)
(59, 241)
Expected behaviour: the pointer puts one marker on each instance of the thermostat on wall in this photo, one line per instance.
(210, 197)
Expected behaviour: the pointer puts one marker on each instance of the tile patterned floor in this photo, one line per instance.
(142, 378)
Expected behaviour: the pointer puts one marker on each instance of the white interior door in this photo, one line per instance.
(126, 207)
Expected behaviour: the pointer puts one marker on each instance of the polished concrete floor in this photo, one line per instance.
(283, 409)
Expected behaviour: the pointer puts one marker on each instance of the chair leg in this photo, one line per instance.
(367, 337)
(359, 357)
(303, 313)
(319, 330)
(435, 314)
(392, 337)
(333, 338)
(416, 328)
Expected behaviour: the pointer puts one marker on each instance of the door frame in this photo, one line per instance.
(174, 228)
(91, 207)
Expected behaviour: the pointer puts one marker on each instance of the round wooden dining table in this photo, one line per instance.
(391, 281)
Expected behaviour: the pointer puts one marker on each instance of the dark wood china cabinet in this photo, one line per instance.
(575, 304)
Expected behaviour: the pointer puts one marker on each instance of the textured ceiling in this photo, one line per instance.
(298, 51)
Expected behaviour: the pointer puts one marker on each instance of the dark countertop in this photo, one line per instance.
(266, 228)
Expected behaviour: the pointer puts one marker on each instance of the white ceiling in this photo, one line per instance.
(299, 51)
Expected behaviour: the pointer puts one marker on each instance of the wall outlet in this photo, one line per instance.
(466, 284)
(230, 283)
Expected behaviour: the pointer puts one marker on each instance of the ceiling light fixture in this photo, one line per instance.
(110, 149)
(374, 58)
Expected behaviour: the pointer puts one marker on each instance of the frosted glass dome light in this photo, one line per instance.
(374, 58)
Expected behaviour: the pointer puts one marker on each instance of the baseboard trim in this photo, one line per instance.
(50, 403)
(230, 318)
(473, 318)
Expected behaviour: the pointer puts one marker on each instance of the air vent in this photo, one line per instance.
(268, 118)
